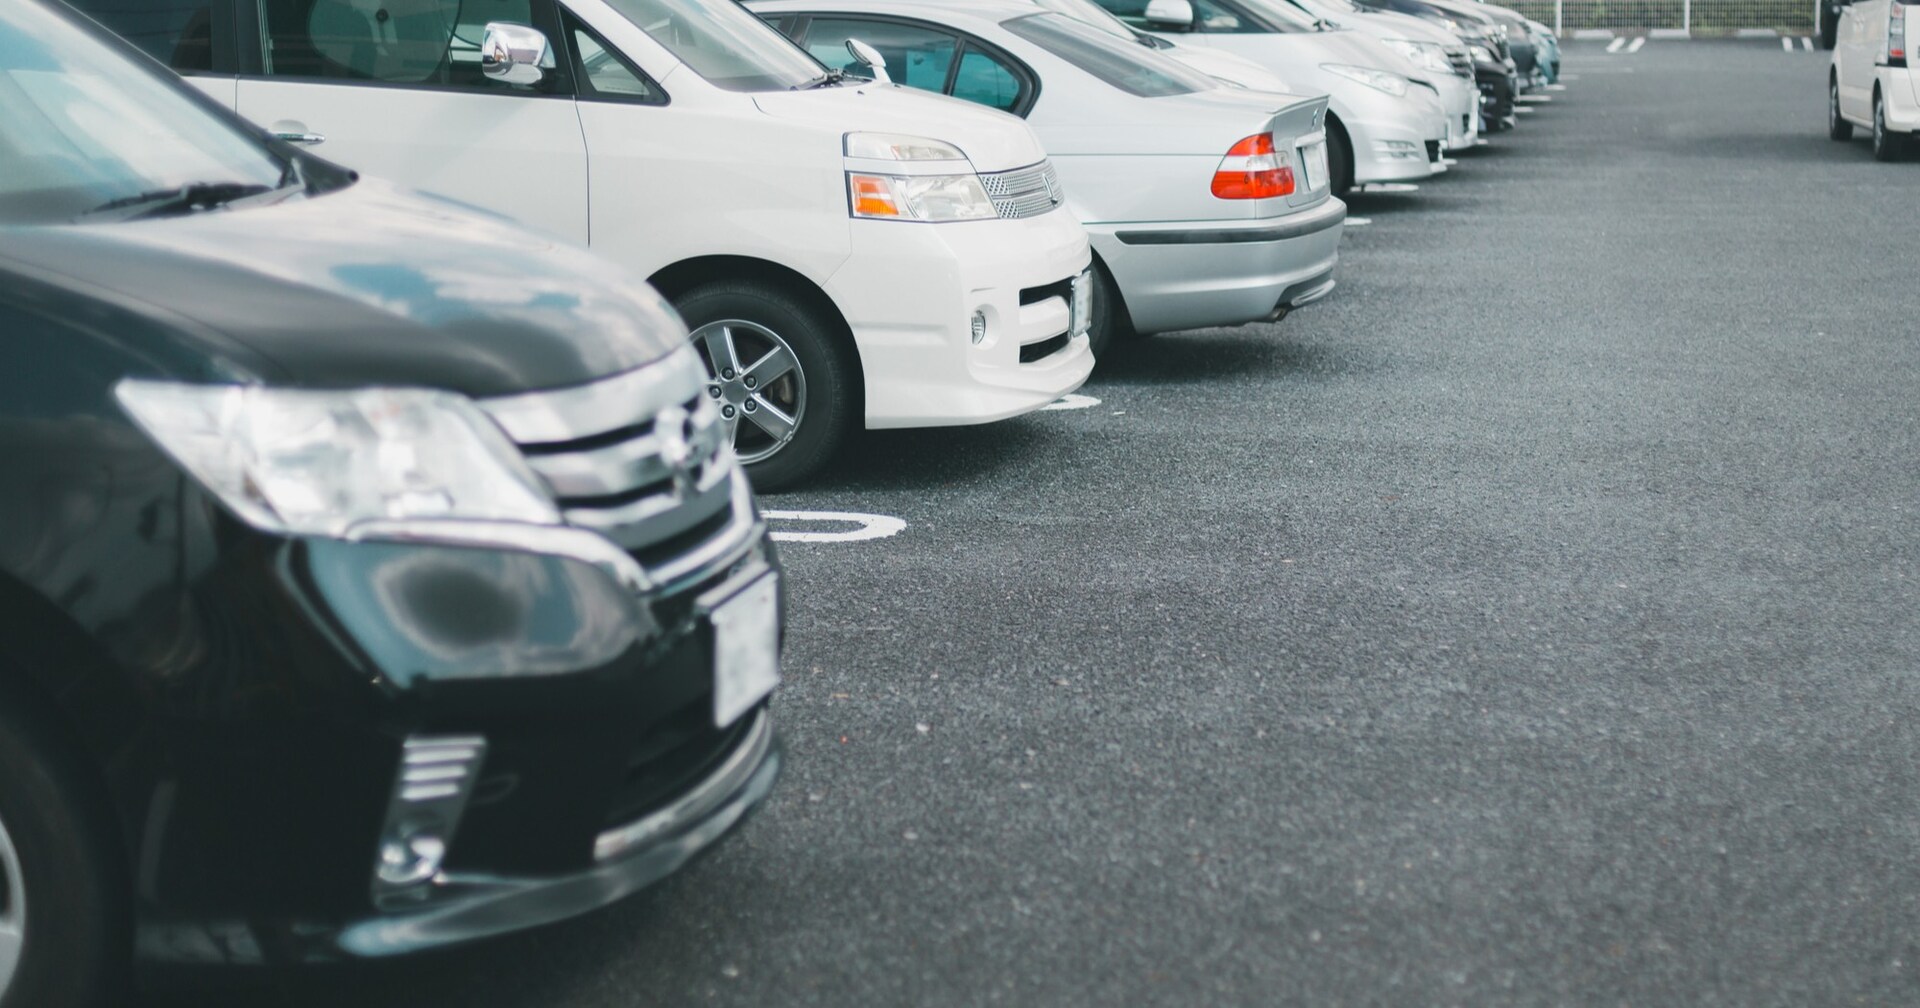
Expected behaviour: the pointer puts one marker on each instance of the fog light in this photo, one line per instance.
(430, 790)
(406, 861)
(979, 327)
(1399, 149)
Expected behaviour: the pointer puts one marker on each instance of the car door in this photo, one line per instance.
(394, 88)
(938, 59)
(1857, 52)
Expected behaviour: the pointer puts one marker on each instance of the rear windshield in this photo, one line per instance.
(723, 43)
(1131, 67)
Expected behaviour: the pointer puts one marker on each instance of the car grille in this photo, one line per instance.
(1024, 192)
(642, 458)
(1433, 151)
(676, 752)
(1461, 62)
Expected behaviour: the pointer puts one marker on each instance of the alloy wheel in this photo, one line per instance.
(13, 910)
(755, 378)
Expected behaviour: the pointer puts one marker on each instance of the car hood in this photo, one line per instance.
(993, 141)
(1394, 25)
(361, 286)
(1226, 66)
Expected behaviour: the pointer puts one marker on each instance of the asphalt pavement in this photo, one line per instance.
(1531, 622)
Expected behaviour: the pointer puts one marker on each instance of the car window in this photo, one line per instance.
(179, 33)
(723, 43)
(984, 80)
(1132, 68)
(81, 126)
(607, 74)
(917, 57)
(429, 43)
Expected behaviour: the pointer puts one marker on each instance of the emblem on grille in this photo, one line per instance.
(672, 430)
(1053, 187)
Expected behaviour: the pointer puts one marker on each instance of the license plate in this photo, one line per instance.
(746, 649)
(1313, 164)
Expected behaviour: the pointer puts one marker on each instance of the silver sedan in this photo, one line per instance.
(1207, 205)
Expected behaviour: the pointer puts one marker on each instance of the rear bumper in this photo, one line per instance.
(1189, 275)
(1900, 90)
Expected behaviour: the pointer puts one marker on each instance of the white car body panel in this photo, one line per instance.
(1859, 49)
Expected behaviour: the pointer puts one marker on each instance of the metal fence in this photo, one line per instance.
(1702, 17)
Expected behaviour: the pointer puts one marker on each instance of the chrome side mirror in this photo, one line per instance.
(870, 58)
(515, 54)
(1170, 15)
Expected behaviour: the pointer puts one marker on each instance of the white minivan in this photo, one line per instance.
(844, 252)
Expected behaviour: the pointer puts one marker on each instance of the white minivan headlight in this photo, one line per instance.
(919, 197)
(1482, 54)
(306, 462)
(900, 147)
(1379, 80)
(1425, 55)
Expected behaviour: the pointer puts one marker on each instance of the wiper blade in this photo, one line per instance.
(831, 78)
(184, 199)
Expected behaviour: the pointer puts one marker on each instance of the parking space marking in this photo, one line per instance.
(1634, 46)
(1787, 44)
(1533, 99)
(1386, 187)
(1806, 43)
(1354, 222)
(1071, 400)
(1614, 46)
(872, 526)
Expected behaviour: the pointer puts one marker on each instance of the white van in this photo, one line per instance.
(845, 252)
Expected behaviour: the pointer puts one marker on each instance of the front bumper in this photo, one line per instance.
(1461, 99)
(1189, 275)
(1390, 135)
(910, 294)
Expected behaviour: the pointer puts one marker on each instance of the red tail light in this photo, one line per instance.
(1251, 170)
(1896, 34)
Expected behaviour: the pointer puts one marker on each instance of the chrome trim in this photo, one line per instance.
(699, 801)
(573, 543)
(723, 550)
(630, 464)
(13, 912)
(609, 404)
(1024, 192)
(652, 505)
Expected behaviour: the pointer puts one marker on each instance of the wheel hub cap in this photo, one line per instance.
(755, 378)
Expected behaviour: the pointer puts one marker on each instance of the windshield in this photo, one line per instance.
(1093, 14)
(82, 126)
(1125, 65)
(723, 43)
(1291, 18)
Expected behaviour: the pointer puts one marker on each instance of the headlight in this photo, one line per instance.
(918, 197)
(1425, 55)
(1391, 83)
(899, 147)
(319, 463)
(1482, 54)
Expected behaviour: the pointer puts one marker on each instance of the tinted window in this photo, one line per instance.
(723, 43)
(917, 57)
(985, 80)
(81, 126)
(607, 74)
(179, 33)
(1129, 67)
(432, 43)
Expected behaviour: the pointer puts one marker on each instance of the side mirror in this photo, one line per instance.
(870, 58)
(1170, 15)
(516, 54)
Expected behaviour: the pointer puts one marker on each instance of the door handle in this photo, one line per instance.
(303, 139)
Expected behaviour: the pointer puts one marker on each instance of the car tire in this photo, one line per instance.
(1838, 128)
(1339, 158)
(1887, 145)
(1111, 323)
(63, 938)
(786, 425)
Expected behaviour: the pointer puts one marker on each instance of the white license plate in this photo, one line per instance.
(1313, 164)
(746, 649)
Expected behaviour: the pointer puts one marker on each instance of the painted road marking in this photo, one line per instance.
(1561, 87)
(1387, 187)
(1071, 401)
(1614, 46)
(1635, 45)
(1533, 99)
(872, 526)
(1787, 44)
(1354, 222)
(1806, 43)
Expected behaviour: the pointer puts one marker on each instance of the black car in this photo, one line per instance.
(374, 575)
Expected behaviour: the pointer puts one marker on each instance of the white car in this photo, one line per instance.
(1208, 205)
(1382, 125)
(1870, 83)
(844, 253)
(1434, 54)
(1236, 70)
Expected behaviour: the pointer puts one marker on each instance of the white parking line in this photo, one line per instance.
(1071, 400)
(1635, 45)
(1387, 187)
(872, 526)
(1614, 46)
(1787, 44)
(1806, 43)
(1354, 222)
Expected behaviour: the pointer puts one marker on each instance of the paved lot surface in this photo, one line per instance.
(1532, 622)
